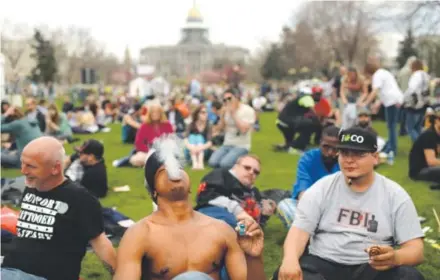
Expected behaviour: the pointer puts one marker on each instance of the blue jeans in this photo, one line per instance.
(414, 123)
(219, 213)
(391, 118)
(15, 274)
(226, 156)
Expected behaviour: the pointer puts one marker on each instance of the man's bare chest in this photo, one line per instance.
(176, 251)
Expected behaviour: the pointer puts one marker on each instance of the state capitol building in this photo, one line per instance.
(194, 53)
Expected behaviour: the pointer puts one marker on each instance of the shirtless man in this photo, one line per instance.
(176, 239)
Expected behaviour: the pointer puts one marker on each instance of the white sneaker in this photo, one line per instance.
(115, 163)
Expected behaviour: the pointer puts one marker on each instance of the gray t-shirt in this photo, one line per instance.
(343, 223)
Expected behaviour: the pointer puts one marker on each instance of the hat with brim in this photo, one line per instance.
(91, 147)
(357, 139)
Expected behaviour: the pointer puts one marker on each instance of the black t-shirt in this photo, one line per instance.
(428, 140)
(53, 231)
(95, 179)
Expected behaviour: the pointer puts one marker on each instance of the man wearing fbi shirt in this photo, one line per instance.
(354, 220)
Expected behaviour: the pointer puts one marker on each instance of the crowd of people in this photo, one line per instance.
(345, 220)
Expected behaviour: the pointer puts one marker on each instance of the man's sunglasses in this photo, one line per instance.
(249, 168)
(227, 99)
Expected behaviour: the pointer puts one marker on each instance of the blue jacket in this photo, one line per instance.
(311, 168)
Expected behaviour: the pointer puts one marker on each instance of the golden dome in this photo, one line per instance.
(194, 13)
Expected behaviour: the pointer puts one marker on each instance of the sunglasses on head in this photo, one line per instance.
(249, 168)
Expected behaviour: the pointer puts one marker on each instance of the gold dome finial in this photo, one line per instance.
(194, 13)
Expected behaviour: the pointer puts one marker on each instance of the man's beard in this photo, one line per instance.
(177, 194)
(330, 160)
(364, 124)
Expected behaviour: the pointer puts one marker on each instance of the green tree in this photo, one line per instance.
(273, 67)
(406, 48)
(44, 55)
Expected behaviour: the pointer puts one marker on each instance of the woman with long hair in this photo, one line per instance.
(156, 124)
(57, 124)
(198, 137)
(353, 91)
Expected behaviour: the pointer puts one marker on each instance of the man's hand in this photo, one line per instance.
(10, 111)
(386, 259)
(290, 271)
(252, 243)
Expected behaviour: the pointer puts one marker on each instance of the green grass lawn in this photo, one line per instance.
(278, 171)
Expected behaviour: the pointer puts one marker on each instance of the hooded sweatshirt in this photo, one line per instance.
(23, 130)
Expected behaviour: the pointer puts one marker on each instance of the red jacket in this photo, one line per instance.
(148, 132)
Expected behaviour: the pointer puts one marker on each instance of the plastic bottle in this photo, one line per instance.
(390, 159)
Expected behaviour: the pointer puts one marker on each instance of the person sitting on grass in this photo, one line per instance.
(22, 129)
(201, 246)
(131, 122)
(87, 167)
(361, 225)
(57, 125)
(156, 125)
(237, 121)
(312, 166)
(57, 221)
(198, 138)
(424, 164)
(228, 194)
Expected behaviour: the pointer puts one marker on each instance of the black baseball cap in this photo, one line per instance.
(91, 147)
(357, 139)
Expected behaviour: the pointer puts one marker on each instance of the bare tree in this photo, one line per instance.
(15, 40)
(76, 48)
(423, 17)
(256, 61)
(333, 30)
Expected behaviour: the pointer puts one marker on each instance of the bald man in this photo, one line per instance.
(58, 219)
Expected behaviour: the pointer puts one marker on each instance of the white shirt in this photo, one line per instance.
(389, 92)
(418, 83)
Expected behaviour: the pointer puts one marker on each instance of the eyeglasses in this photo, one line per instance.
(202, 112)
(249, 168)
(227, 99)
